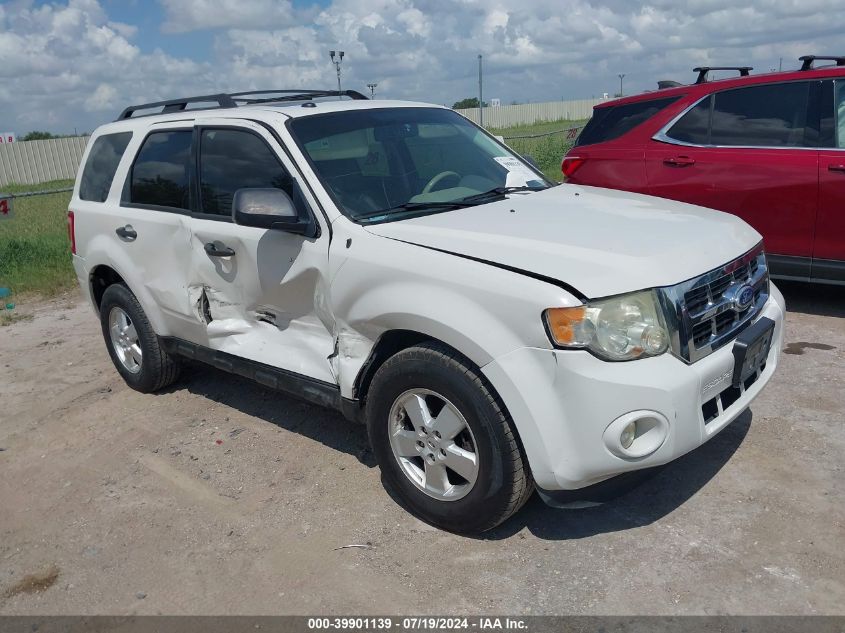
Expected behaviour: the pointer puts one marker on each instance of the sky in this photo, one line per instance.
(75, 64)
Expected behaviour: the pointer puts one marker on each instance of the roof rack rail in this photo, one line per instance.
(224, 100)
(704, 71)
(807, 60)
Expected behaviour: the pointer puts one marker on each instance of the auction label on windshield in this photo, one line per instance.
(517, 169)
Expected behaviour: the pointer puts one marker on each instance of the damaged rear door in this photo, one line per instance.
(260, 293)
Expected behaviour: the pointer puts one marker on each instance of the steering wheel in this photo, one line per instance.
(436, 180)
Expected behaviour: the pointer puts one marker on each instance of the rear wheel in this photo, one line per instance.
(132, 344)
(445, 444)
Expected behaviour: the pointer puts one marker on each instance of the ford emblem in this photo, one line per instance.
(743, 297)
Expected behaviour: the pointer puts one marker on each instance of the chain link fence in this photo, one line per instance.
(34, 245)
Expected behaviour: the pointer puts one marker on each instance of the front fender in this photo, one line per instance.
(480, 310)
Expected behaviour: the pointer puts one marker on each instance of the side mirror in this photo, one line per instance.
(273, 209)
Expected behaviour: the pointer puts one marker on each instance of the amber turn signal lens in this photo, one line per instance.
(563, 322)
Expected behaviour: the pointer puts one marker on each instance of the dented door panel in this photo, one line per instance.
(266, 302)
(263, 303)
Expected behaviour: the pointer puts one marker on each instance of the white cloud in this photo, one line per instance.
(70, 64)
(192, 15)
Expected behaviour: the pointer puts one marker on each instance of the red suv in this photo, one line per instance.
(768, 148)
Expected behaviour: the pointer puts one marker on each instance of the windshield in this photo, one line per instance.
(391, 163)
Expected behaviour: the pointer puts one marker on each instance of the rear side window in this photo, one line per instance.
(160, 173)
(772, 115)
(101, 166)
(613, 121)
(232, 160)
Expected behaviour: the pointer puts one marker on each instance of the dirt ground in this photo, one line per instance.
(220, 497)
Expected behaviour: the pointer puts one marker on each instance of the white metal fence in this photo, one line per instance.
(31, 162)
(528, 113)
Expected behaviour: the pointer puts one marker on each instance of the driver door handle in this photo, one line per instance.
(126, 233)
(840, 168)
(223, 251)
(679, 161)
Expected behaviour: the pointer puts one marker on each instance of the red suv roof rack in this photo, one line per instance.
(807, 60)
(704, 71)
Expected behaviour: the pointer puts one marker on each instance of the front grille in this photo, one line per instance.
(711, 310)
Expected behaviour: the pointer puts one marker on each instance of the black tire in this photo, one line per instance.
(158, 369)
(504, 481)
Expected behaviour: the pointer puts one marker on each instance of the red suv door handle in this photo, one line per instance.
(836, 168)
(679, 161)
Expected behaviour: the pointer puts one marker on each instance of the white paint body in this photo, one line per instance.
(317, 307)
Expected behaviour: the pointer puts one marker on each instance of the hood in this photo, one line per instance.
(599, 241)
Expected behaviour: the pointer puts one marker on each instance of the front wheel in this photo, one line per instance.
(445, 445)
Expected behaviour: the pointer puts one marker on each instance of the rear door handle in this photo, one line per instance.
(840, 168)
(679, 161)
(126, 233)
(212, 249)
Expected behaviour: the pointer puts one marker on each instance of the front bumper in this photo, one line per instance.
(562, 402)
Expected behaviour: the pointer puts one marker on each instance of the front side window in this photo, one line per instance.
(236, 159)
(611, 122)
(394, 162)
(160, 173)
(101, 166)
(771, 115)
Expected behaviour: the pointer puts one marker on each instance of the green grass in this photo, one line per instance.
(548, 150)
(34, 247)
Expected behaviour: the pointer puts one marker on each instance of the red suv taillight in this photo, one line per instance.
(71, 232)
(571, 164)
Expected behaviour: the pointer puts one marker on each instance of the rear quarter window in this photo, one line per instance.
(101, 166)
(611, 122)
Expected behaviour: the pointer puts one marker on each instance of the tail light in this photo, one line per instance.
(571, 164)
(71, 232)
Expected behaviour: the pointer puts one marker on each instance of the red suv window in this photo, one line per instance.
(769, 115)
(611, 122)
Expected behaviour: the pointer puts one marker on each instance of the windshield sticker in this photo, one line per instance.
(518, 173)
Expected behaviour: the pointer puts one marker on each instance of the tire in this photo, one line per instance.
(434, 378)
(144, 365)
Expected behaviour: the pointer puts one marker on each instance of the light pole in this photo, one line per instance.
(480, 95)
(621, 77)
(372, 88)
(337, 58)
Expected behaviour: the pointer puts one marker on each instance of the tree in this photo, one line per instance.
(35, 135)
(465, 104)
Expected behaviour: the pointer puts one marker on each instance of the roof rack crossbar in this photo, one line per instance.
(224, 100)
(807, 60)
(704, 71)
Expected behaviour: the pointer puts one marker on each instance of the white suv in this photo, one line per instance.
(397, 263)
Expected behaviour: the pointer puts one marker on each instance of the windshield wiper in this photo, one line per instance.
(498, 192)
(416, 206)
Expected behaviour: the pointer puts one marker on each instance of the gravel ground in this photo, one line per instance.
(220, 497)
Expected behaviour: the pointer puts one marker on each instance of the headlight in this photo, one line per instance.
(624, 327)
